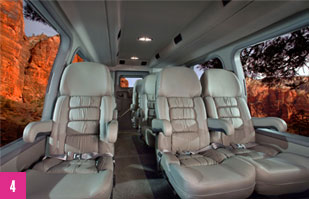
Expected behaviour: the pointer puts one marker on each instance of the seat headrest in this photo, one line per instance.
(220, 83)
(178, 82)
(139, 85)
(150, 84)
(86, 79)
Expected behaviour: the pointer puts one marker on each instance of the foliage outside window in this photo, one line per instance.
(277, 79)
(212, 63)
(28, 49)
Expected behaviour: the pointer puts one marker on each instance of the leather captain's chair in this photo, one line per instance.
(148, 109)
(187, 158)
(83, 130)
(277, 172)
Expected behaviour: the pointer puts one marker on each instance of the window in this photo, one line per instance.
(128, 82)
(28, 49)
(77, 58)
(277, 79)
(212, 63)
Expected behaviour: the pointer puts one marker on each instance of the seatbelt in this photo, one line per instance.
(244, 146)
(123, 114)
(75, 156)
(206, 148)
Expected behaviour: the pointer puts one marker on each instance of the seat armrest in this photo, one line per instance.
(167, 159)
(221, 125)
(269, 122)
(112, 131)
(163, 126)
(133, 107)
(34, 128)
(115, 114)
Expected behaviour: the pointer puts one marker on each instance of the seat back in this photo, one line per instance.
(148, 99)
(135, 96)
(178, 101)
(221, 91)
(85, 106)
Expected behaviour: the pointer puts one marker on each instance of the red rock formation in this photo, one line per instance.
(40, 64)
(77, 58)
(25, 62)
(282, 102)
(14, 52)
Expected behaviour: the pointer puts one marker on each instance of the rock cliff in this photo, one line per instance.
(23, 59)
(289, 104)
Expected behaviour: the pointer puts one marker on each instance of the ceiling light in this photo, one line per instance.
(145, 39)
(134, 58)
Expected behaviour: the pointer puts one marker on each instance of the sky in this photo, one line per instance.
(37, 28)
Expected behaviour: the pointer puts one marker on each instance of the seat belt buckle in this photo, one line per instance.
(241, 146)
(77, 156)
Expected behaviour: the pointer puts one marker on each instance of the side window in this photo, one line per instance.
(277, 79)
(77, 58)
(128, 82)
(28, 49)
(212, 63)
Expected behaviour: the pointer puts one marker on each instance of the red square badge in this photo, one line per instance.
(13, 185)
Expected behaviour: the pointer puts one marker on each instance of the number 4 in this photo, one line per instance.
(12, 187)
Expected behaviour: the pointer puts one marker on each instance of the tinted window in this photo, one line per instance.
(28, 49)
(128, 82)
(277, 79)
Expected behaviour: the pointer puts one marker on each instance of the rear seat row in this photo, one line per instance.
(205, 139)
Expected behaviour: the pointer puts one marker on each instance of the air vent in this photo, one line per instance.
(122, 62)
(157, 56)
(225, 2)
(178, 39)
(143, 63)
(119, 34)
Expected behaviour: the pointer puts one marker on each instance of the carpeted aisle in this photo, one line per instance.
(136, 175)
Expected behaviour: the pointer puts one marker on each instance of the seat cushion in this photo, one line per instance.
(195, 160)
(53, 165)
(284, 173)
(44, 185)
(234, 178)
(255, 155)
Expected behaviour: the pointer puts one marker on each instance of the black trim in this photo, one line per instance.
(119, 34)
(225, 2)
(157, 56)
(178, 39)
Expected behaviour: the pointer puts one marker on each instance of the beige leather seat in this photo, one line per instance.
(80, 147)
(277, 172)
(148, 108)
(136, 98)
(181, 120)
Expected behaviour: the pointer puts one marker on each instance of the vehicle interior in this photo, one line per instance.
(133, 120)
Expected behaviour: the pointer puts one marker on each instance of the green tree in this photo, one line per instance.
(278, 59)
(30, 14)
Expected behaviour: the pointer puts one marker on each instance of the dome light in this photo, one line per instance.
(144, 39)
(134, 58)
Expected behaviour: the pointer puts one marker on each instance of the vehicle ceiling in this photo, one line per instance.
(204, 27)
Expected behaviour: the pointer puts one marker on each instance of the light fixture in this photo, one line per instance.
(144, 39)
(134, 58)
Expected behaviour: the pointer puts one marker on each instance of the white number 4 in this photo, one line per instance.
(12, 187)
